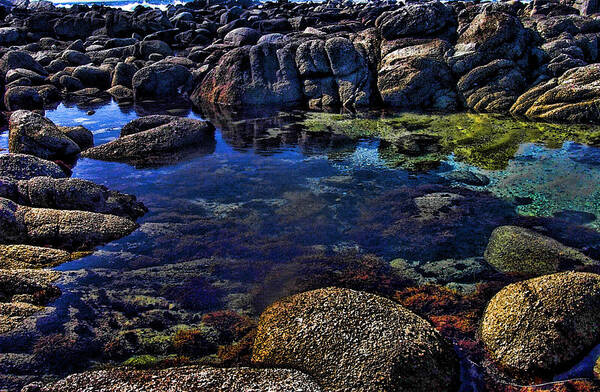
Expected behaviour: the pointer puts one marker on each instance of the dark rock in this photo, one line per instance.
(241, 36)
(23, 97)
(92, 76)
(468, 177)
(31, 133)
(24, 167)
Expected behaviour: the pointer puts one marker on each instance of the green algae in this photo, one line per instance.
(142, 361)
(484, 140)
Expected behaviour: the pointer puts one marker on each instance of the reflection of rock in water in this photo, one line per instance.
(267, 130)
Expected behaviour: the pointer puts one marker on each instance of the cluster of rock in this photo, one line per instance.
(536, 59)
(342, 340)
(47, 218)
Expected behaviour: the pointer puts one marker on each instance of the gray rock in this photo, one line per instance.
(31, 133)
(154, 146)
(23, 97)
(537, 327)
(349, 340)
(241, 36)
(24, 167)
(161, 81)
(92, 76)
(190, 378)
(61, 229)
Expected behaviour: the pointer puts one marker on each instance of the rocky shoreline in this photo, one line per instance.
(536, 60)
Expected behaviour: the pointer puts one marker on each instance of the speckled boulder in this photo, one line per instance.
(31, 133)
(27, 256)
(190, 379)
(350, 340)
(63, 229)
(24, 167)
(540, 326)
(516, 249)
(573, 97)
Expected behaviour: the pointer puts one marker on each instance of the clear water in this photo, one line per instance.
(276, 209)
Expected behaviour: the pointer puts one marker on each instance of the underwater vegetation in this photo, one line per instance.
(419, 141)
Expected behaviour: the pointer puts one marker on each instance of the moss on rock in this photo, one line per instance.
(538, 327)
(524, 251)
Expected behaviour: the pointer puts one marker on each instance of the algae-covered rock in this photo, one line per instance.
(351, 340)
(537, 327)
(27, 256)
(516, 249)
(24, 167)
(190, 378)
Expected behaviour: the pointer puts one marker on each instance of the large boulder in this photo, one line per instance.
(491, 35)
(153, 146)
(493, 87)
(349, 340)
(71, 194)
(19, 59)
(62, 229)
(263, 74)
(161, 81)
(190, 378)
(417, 20)
(573, 97)
(416, 76)
(23, 97)
(241, 36)
(27, 256)
(24, 167)
(517, 249)
(31, 133)
(92, 76)
(537, 327)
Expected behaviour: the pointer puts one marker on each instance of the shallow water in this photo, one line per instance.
(271, 209)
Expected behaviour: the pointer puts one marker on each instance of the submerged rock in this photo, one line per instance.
(155, 145)
(350, 340)
(24, 167)
(191, 379)
(516, 249)
(31, 133)
(540, 326)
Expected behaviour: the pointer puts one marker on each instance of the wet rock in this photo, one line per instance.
(62, 229)
(24, 167)
(516, 249)
(573, 97)
(23, 97)
(71, 194)
(539, 326)
(145, 123)
(350, 72)
(23, 283)
(161, 81)
(31, 133)
(27, 256)
(192, 379)
(151, 145)
(121, 93)
(352, 340)
(241, 36)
